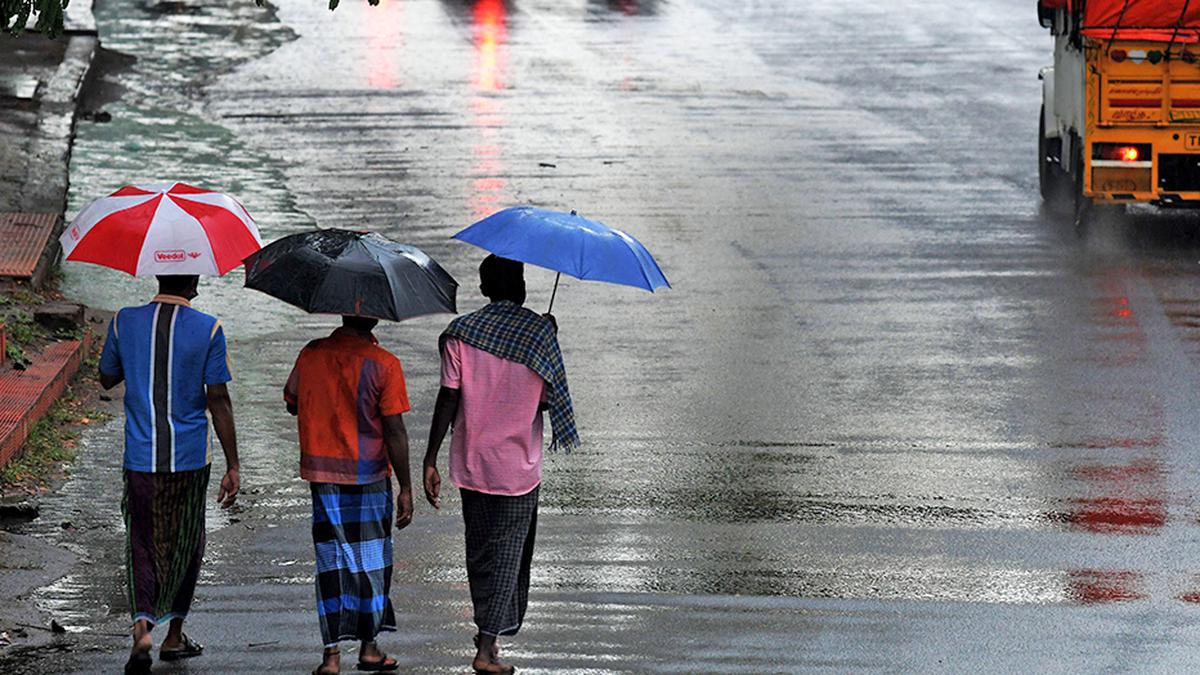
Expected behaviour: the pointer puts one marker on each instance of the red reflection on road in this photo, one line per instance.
(1124, 516)
(1091, 587)
(384, 40)
(488, 186)
(490, 35)
(1130, 503)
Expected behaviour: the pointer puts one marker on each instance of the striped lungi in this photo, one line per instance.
(164, 541)
(500, 533)
(352, 534)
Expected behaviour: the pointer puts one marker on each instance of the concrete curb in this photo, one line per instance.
(59, 105)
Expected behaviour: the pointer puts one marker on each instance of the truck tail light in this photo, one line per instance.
(1118, 55)
(1121, 152)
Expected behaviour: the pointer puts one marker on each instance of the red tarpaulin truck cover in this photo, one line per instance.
(1137, 19)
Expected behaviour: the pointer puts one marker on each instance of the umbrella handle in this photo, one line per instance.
(554, 292)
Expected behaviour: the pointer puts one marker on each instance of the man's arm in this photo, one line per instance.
(111, 370)
(444, 412)
(395, 437)
(291, 390)
(221, 407)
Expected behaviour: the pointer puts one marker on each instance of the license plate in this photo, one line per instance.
(1192, 142)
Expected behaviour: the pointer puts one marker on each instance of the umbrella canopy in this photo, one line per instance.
(356, 273)
(566, 243)
(163, 228)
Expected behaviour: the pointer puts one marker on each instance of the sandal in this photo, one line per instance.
(189, 649)
(383, 665)
(138, 664)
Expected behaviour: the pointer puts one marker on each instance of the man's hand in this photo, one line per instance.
(109, 381)
(230, 484)
(433, 486)
(404, 509)
(553, 321)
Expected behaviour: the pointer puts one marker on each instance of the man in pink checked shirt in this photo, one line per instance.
(501, 367)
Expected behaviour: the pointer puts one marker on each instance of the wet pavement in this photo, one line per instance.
(892, 415)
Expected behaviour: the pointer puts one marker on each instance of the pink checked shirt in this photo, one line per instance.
(496, 446)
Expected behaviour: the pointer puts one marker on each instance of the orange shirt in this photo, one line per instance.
(343, 386)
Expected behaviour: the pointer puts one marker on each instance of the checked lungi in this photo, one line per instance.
(500, 534)
(352, 534)
(164, 541)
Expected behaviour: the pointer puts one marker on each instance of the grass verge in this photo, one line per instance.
(52, 444)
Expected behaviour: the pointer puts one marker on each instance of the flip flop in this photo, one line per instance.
(380, 666)
(189, 649)
(138, 664)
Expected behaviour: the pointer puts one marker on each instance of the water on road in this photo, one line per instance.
(891, 415)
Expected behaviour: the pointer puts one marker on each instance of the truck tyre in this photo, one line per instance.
(1050, 173)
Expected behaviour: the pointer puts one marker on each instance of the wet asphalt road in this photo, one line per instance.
(892, 416)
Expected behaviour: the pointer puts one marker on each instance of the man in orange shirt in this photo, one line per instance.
(348, 394)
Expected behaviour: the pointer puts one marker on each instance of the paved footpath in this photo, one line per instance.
(40, 84)
(40, 81)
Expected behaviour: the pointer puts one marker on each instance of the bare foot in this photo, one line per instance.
(143, 643)
(485, 664)
(486, 656)
(495, 646)
(330, 664)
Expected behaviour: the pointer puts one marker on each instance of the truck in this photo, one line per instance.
(1120, 119)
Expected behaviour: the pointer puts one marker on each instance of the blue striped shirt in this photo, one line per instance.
(167, 352)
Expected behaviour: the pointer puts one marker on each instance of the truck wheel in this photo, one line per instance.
(1050, 173)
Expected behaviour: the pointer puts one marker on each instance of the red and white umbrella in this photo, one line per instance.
(163, 228)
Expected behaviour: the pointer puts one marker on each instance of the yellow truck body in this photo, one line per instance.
(1141, 141)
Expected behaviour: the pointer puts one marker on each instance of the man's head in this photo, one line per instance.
(502, 279)
(182, 285)
(362, 324)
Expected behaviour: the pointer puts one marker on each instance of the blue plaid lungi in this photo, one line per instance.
(352, 534)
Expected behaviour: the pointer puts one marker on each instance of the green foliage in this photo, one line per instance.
(21, 328)
(23, 332)
(51, 442)
(14, 16)
(15, 353)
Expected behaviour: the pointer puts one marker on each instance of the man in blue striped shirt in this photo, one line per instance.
(173, 362)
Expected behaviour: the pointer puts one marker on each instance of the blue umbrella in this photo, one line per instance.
(568, 244)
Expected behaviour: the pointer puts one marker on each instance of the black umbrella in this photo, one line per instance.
(358, 273)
